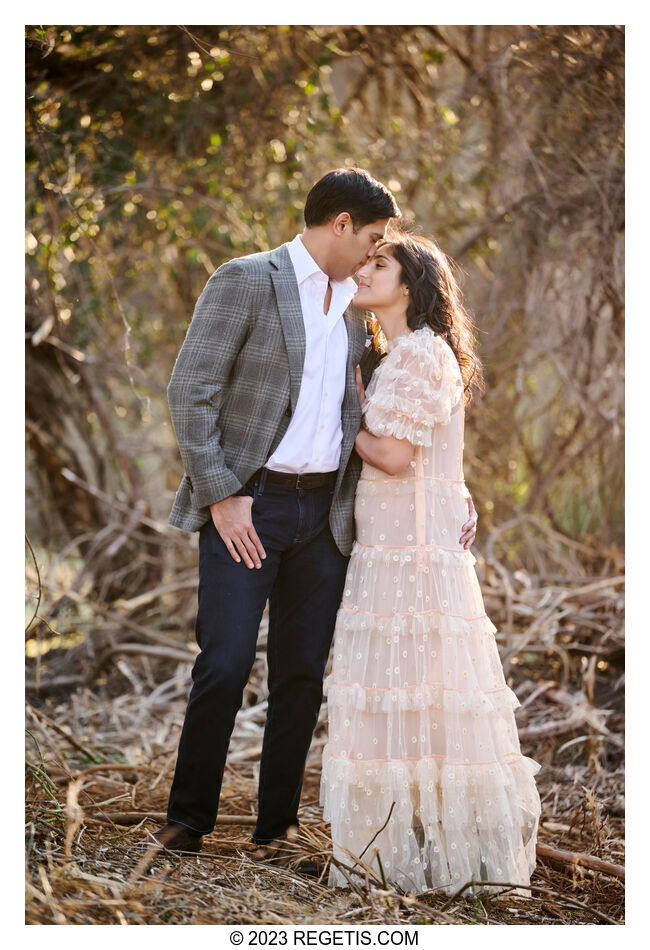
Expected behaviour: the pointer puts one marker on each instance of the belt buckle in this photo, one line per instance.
(299, 484)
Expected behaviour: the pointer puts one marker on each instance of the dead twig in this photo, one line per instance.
(569, 901)
(40, 587)
(42, 718)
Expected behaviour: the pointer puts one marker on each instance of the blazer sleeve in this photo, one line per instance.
(218, 330)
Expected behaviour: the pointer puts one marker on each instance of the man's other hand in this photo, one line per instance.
(468, 536)
(232, 519)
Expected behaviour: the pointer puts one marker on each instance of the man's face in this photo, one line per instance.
(354, 250)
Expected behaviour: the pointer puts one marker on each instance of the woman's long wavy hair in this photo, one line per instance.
(435, 300)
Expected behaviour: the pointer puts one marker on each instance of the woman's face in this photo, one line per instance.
(380, 283)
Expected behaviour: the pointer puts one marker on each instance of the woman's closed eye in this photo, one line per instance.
(380, 260)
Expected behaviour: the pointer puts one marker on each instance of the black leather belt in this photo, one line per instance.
(289, 480)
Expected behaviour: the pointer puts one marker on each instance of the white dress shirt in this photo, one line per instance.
(312, 443)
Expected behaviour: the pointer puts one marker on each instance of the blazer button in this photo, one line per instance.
(288, 411)
(189, 482)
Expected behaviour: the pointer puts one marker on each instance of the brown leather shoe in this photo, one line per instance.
(177, 838)
(285, 852)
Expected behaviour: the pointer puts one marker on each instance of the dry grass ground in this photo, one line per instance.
(104, 718)
(84, 866)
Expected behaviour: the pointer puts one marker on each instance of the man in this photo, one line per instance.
(264, 404)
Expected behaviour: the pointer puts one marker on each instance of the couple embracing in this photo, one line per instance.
(324, 474)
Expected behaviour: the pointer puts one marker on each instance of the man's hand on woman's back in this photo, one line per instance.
(468, 536)
(361, 393)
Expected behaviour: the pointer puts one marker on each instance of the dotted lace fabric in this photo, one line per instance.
(419, 710)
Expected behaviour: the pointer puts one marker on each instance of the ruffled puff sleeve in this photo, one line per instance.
(416, 388)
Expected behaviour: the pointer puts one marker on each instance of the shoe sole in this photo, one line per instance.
(152, 843)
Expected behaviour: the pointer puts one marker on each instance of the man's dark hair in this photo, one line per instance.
(352, 190)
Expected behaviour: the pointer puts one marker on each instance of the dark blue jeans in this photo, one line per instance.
(302, 577)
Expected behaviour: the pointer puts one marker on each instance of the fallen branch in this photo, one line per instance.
(169, 653)
(135, 817)
(112, 767)
(185, 583)
(112, 617)
(169, 534)
(59, 682)
(556, 728)
(571, 858)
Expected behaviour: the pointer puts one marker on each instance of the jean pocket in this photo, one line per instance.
(255, 493)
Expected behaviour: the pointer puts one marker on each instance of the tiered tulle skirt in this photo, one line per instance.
(421, 721)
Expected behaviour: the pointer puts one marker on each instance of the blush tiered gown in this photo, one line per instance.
(419, 711)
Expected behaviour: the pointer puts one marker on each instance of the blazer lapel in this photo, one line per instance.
(351, 411)
(356, 326)
(293, 325)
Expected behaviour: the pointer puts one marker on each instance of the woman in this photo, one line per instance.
(421, 721)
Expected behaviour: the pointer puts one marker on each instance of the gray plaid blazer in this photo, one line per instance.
(236, 382)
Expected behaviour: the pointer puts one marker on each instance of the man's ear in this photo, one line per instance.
(341, 223)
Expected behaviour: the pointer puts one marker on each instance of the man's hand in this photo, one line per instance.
(468, 536)
(361, 393)
(232, 519)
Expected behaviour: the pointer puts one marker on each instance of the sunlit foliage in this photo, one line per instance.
(154, 153)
